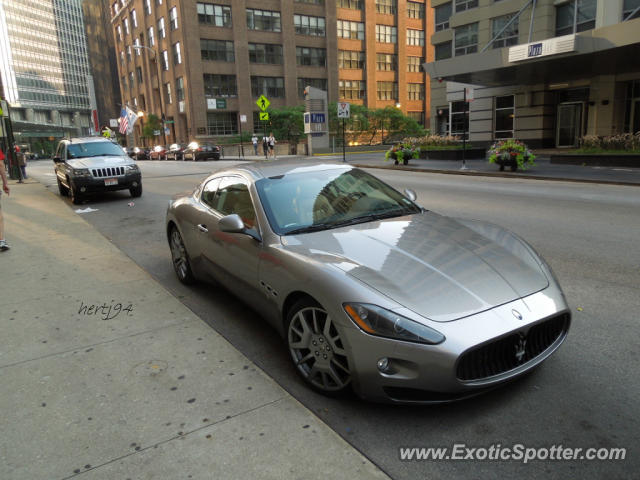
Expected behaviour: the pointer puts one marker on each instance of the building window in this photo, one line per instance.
(151, 37)
(387, 90)
(313, 57)
(305, 25)
(165, 60)
(388, 7)
(443, 14)
(131, 80)
(352, 89)
(220, 85)
(162, 33)
(121, 57)
(417, 116)
(386, 62)
(415, 10)
(509, 37)
(139, 74)
(126, 26)
(217, 15)
(265, 53)
(167, 93)
(264, 20)
(415, 37)
(222, 123)
(124, 82)
(128, 53)
(459, 119)
(320, 83)
(415, 91)
(173, 18)
(134, 19)
(629, 7)
(217, 50)
(351, 59)
(414, 64)
(147, 7)
(352, 30)
(271, 87)
(462, 5)
(504, 116)
(119, 32)
(315, 2)
(386, 34)
(443, 50)
(566, 19)
(177, 54)
(180, 89)
(466, 39)
(352, 4)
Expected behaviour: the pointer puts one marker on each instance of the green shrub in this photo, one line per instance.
(507, 150)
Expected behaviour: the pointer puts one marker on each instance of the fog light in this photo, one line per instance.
(383, 364)
(135, 184)
(83, 189)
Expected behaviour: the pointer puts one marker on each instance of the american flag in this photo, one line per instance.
(124, 121)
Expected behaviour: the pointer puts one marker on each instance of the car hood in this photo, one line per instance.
(100, 162)
(435, 266)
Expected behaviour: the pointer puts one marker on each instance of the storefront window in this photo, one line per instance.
(504, 117)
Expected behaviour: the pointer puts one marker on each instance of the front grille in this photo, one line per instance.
(512, 351)
(107, 172)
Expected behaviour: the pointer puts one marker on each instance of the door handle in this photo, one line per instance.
(203, 228)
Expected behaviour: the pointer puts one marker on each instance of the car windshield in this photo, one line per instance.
(93, 149)
(311, 201)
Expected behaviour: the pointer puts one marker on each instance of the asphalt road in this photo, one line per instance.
(584, 396)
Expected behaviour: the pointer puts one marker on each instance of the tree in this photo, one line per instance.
(287, 123)
(151, 125)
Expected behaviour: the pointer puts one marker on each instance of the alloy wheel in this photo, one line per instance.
(179, 257)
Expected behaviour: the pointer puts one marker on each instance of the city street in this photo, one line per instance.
(584, 396)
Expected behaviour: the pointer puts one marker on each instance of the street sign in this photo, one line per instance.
(167, 131)
(113, 122)
(157, 133)
(263, 102)
(344, 110)
(317, 118)
(243, 119)
(169, 121)
(264, 116)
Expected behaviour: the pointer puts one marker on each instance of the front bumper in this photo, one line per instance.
(95, 185)
(421, 373)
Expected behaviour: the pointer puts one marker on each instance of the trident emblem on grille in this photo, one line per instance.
(521, 348)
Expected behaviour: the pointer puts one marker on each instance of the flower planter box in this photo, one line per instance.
(453, 154)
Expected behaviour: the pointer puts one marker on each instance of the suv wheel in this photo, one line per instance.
(76, 199)
(136, 191)
(64, 191)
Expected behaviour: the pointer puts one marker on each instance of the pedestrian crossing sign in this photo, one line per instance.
(264, 116)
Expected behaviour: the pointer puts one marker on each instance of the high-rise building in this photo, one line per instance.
(547, 72)
(44, 69)
(203, 64)
(382, 45)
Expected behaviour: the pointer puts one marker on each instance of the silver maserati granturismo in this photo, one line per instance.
(370, 290)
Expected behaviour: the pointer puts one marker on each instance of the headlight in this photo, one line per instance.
(385, 323)
(131, 168)
(81, 172)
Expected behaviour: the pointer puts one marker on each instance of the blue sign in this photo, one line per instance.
(306, 118)
(535, 50)
(317, 118)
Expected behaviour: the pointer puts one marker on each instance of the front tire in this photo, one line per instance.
(76, 199)
(64, 191)
(316, 348)
(136, 191)
(180, 258)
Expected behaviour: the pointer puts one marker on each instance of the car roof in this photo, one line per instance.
(258, 170)
(87, 140)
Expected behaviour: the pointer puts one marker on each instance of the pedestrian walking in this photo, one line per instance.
(265, 146)
(254, 140)
(22, 162)
(272, 145)
(5, 187)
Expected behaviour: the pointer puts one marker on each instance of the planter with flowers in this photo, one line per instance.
(401, 153)
(511, 153)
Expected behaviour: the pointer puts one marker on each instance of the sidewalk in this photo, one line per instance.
(141, 389)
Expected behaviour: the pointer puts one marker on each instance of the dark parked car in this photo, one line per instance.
(159, 152)
(201, 151)
(176, 151)
(92, 165)
(141, 153)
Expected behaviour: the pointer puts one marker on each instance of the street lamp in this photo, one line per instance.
(155, 58)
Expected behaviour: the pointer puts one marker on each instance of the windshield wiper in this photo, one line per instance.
(311, 228)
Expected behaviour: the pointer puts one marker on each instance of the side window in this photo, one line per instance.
(233, 197)
(209, 191)
(60, 151)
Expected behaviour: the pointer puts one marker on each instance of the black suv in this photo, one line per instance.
(94, 164)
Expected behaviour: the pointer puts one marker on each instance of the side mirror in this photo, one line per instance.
(231, 224)
(411, 195)
(57, 160)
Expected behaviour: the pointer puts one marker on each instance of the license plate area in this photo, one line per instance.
(110, 181)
